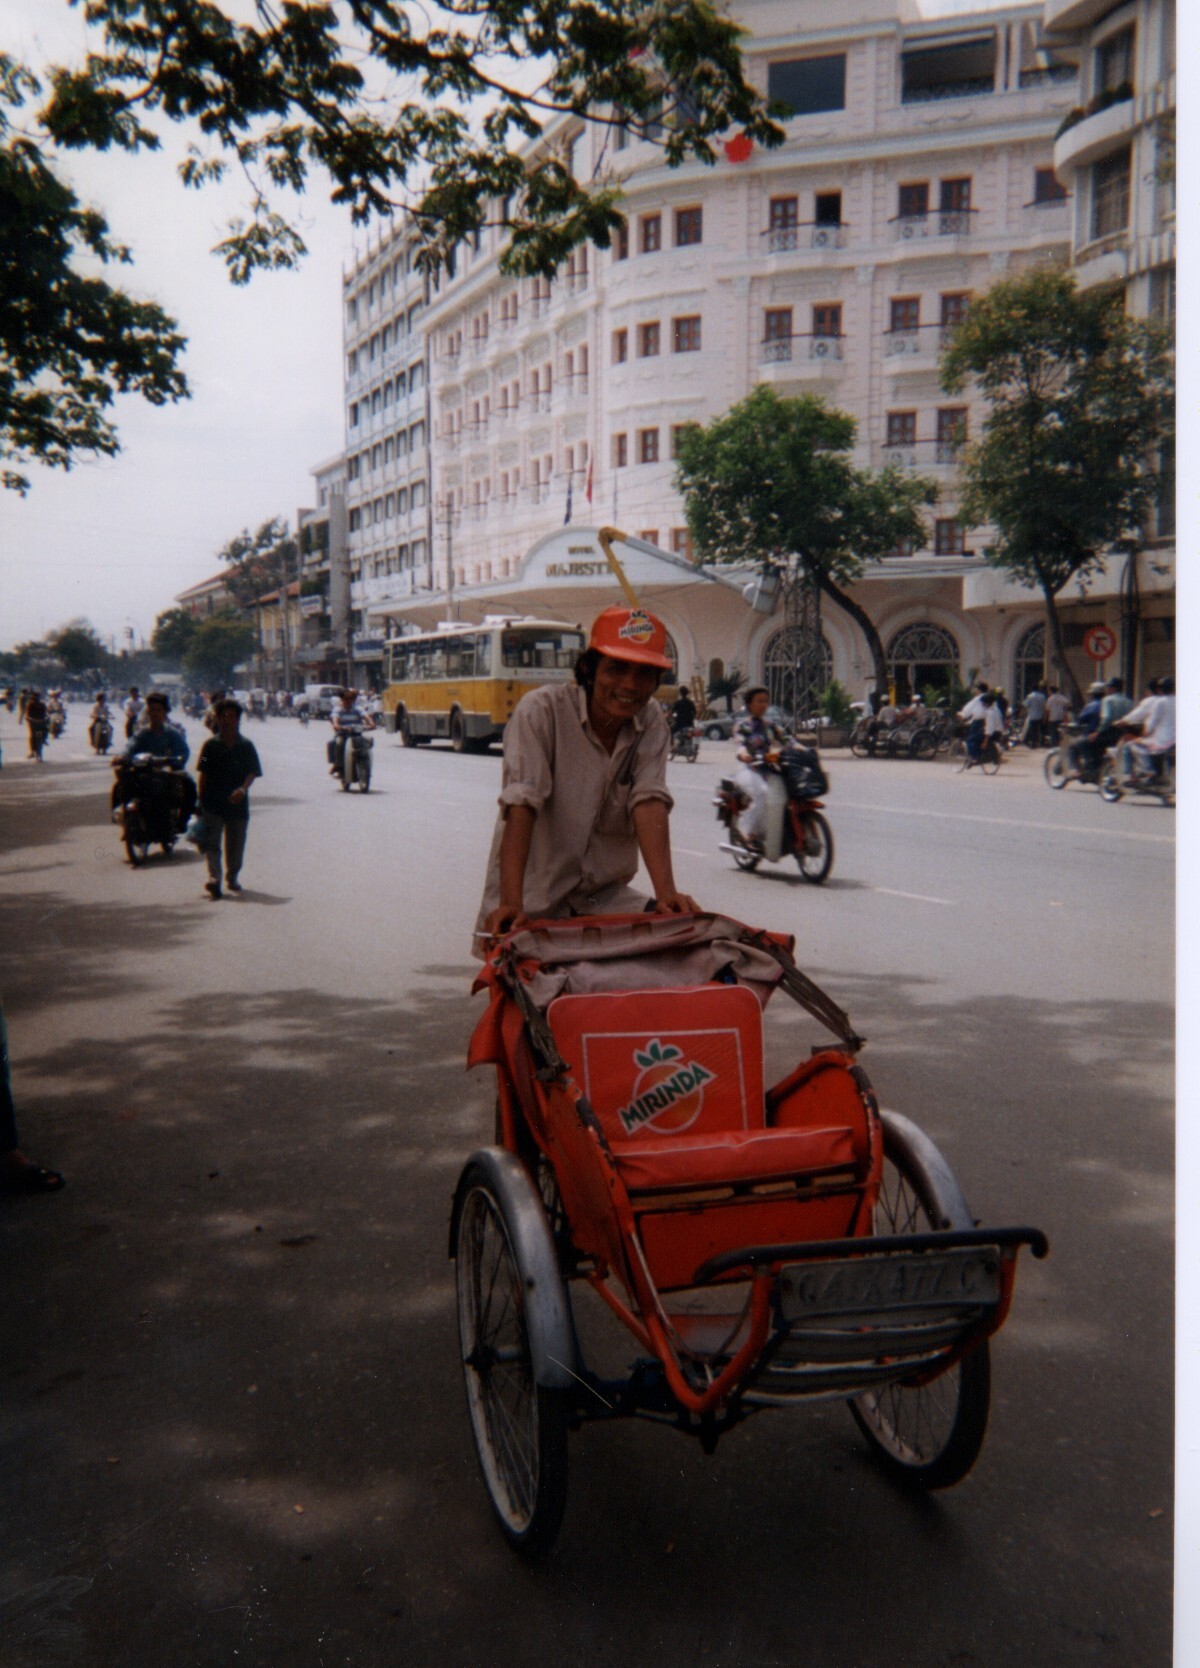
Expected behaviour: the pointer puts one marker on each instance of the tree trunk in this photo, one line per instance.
(865, 624)
(1058, 658)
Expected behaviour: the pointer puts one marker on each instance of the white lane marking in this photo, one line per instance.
(917, 897)
(1005, 822)
(688, 852)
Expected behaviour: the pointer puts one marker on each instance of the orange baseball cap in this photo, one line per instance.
(631, 634)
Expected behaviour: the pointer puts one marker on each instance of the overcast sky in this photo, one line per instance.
(115, 540)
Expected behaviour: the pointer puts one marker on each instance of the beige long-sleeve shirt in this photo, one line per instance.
(584, 851)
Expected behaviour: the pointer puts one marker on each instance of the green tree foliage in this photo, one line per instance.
(218, 645)
(436, 113)
(1079, 403)
(69, 341)
(78, 647)
(260, 562)
(172, 635)
(772, 480)
(723, 686)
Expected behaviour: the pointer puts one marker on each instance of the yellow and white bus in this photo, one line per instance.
(461, 682)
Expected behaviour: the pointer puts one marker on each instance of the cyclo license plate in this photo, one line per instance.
(862, 1285)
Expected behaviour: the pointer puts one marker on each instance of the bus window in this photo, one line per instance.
(483, 656)
(542, 649)
(460, 657)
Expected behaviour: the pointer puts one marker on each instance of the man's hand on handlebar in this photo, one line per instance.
(504, 919)
(676, 903)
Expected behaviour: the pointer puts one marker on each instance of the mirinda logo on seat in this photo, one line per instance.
(668, 1095)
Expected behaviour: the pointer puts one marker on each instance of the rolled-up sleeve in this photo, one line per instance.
(650, 764)
(528, 754)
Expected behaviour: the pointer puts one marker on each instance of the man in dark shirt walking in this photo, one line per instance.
(227, 765)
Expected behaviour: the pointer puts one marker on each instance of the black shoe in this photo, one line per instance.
(213, 888)
(232, 886)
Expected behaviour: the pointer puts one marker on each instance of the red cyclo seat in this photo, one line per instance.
(665, 1063)
(733, 1156)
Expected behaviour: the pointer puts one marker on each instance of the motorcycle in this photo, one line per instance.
(795, 825)
(356, 761)
(58, 723)
(1157, 783)
(101, 733)
(1064, 763)
(152, 804)
(685, 744)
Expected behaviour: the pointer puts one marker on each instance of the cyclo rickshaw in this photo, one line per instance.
(763, 1246)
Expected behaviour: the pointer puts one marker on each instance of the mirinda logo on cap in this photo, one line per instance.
(638, 628)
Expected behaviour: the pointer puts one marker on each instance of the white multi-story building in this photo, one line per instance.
(919, 167)
(1116, 154)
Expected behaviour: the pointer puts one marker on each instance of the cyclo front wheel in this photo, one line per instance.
(520, 1427)
(931, 1433)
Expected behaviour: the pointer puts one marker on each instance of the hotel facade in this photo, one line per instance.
(493, 424)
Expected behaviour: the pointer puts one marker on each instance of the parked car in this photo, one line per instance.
(718, 726)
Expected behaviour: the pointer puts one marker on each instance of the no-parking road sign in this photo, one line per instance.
(1099, 642)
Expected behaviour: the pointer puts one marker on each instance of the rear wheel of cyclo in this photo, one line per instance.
(1056, 769)
(923, 745)
(520, 1428)
(928, 1434)
(815, 854)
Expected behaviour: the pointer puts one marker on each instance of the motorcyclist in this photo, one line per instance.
(1086, 751)
(56, 713)
(683, 713)
(1156, 718)
(348, 719)
(38, 721)
(133, 711)
(100, 714)
(162, 741)
(756, 736)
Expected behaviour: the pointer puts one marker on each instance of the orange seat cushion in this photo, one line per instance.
(659, 1063)
(730, 1156)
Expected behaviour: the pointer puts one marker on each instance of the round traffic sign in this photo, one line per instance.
(1099, 642)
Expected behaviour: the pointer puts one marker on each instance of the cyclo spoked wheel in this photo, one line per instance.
(520, 1428)
(1110, 784)
(990, 760)
(1055, 768)
(815, 853)
(959, 757)
(928, 1434)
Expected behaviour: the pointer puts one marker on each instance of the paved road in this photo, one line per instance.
(232, 1428)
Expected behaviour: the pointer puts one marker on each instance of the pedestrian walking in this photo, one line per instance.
(227, 765)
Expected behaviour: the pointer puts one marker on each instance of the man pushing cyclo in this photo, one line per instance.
(584, 788)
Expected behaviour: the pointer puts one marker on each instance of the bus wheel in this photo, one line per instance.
(458, 733)
(407, 739)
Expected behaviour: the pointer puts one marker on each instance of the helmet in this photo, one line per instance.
(630, 634)
(1098, 688)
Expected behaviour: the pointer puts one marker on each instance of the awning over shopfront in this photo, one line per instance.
(564, 576)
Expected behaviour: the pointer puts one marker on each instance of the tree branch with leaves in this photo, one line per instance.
(1080, 408)
(772, 481)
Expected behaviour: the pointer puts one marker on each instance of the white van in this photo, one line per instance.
(321, 698)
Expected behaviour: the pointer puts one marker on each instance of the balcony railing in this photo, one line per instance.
(918, 454)
(1047, 74)
(920, 339)
(969, 87)
(539, 306)
(783, 350)
(808, 234)
(577, 282)
(933, 223)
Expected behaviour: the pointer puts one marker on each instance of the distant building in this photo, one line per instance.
(210, 596)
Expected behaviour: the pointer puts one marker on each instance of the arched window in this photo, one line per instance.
(779, 667)
(921, 656)
(1029, 662)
